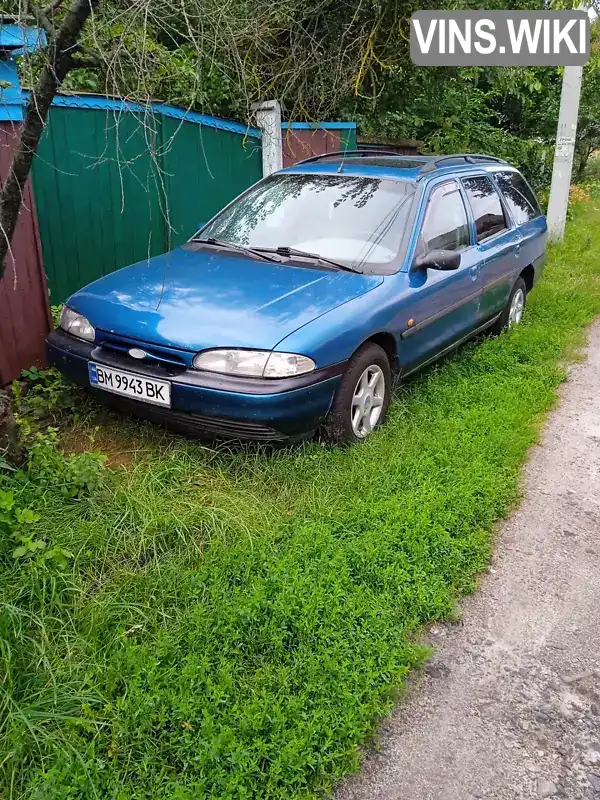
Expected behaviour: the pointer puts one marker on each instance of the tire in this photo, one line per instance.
(507, 319)
(369, 365)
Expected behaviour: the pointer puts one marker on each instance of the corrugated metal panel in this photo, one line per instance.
(348, 138)
(98, 190)
(224, 164)
(313, 126)
(117, 104)
(117, 187)
(20, 39)
(300, 144)
(24, 312)
(305, 139)
(11, 100)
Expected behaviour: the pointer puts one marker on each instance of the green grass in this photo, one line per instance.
(232, 624)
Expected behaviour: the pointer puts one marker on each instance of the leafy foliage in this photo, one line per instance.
(230, 624)
(465, 110)
(327, 59)
(15, 524)
(44, 392)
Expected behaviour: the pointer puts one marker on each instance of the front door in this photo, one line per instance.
(443, 304)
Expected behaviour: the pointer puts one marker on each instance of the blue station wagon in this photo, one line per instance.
(294, 308)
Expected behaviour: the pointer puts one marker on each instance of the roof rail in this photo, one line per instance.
(469, 158)
(356, 154)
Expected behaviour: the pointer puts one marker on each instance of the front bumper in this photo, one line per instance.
(205, 403)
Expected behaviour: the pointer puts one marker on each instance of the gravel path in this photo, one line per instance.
(509, 707)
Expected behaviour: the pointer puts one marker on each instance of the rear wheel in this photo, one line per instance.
(362, 398)
(512, 313)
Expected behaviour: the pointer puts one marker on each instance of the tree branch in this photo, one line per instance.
(41, 19)
(52, 7)
(60, 61)
(85, 57)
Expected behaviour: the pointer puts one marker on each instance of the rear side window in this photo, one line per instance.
(445, 226)
(486, 206)
(519, 197)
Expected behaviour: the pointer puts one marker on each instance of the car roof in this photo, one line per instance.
(395, 166)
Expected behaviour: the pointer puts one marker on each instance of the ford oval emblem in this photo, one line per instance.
(135, 352)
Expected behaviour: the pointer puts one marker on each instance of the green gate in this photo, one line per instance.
(116, 183)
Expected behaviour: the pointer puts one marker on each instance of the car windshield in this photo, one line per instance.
(358, 221)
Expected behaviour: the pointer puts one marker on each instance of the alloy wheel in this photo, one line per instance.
(367, 401)
(515, 315)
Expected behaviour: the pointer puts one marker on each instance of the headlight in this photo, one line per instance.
(254, 363)
(76, 324)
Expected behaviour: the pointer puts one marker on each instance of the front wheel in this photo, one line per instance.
(362, 398)
(512, 313)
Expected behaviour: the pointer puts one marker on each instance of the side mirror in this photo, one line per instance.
(439, 259)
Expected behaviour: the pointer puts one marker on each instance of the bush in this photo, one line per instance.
(44, 394)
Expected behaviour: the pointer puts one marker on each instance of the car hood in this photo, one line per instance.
(194, 299)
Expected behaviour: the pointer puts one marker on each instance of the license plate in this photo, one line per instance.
(127, 383)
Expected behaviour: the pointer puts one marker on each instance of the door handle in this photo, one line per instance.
(474, 271)
(517, 249)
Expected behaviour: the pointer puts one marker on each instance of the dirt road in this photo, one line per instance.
(510, 705)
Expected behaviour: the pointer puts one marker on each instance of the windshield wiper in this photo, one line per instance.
(292, 251)
(222, 243)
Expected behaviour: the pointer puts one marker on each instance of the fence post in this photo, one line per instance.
(268, 117)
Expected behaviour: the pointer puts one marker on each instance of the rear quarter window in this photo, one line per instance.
(519, 198)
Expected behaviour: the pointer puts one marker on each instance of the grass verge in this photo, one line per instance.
(219, 624)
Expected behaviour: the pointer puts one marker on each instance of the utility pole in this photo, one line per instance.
(563, 153)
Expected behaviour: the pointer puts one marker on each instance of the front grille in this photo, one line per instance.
(154, 353)
(196, 425)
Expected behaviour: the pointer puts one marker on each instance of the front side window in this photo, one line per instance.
(487, 208)
(356, 220)
(519, 197)
(445, 226)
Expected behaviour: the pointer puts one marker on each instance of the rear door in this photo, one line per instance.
(498, 244)
(443, 304)
(526, 213)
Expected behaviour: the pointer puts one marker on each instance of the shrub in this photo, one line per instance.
(532, 157)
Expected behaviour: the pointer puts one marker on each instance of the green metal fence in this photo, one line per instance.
(115, 184)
